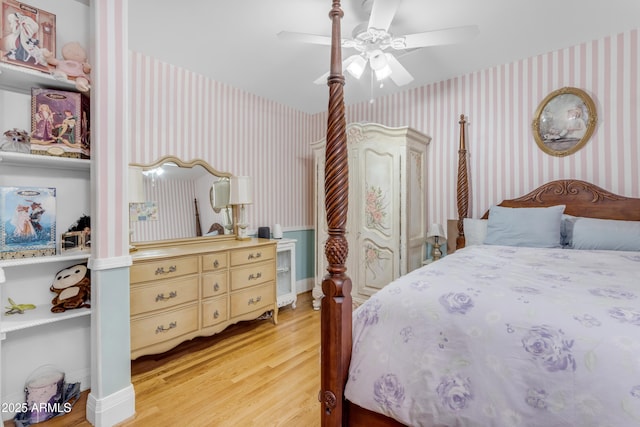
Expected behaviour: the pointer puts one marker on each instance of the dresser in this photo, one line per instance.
(181, 290)
(387, 215)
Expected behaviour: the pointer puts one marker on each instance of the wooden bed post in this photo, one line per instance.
(336, 285)
(463, 185)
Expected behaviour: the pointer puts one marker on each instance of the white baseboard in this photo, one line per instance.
(112, 409)
(304, 285)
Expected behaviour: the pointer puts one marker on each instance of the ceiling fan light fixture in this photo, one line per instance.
(357, 66)
(383, 72)
(378, 60)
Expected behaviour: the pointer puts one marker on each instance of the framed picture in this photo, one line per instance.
(27, 222)
(25, 31)
(72, 241)
(564, 121)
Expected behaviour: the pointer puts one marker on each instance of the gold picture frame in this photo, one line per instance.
(564, 121)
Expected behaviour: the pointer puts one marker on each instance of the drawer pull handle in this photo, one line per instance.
(216, 287)
(160, 329)
(254, 300)
(257, 255)
(255, 276)
(216, 264)
(160, 270)
(216, 314)
(161, 297)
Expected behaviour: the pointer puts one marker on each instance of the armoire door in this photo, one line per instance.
(375, 216)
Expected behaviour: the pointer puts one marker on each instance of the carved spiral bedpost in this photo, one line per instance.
(336, 285)
(463, 184)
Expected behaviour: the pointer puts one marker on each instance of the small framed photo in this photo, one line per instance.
(75, 241)
(25, 32)
(564, 121)
(27, 222)
(71, 241)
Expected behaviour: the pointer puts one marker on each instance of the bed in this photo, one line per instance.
(544, 327)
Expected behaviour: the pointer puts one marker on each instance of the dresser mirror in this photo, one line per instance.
(180, 200)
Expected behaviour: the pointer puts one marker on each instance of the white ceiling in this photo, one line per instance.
(235, 41)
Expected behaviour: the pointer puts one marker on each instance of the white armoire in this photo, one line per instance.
(386, 221)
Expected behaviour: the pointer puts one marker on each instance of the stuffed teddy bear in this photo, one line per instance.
(73, 66)
(16, 140)
(73, 288)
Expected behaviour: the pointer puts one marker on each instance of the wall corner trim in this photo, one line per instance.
(111, 409)
(110, 263)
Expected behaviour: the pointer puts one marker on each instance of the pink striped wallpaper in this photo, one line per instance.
(109, 129)
(175, 111)
(500, 103)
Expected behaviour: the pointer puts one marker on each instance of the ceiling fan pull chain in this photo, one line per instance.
(371, 86)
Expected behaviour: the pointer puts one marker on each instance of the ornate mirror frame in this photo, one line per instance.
(145, 167)
(564, 121)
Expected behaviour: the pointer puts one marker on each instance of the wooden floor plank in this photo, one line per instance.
(252, 374)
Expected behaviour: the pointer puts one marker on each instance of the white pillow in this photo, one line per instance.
(532, 227)
(606, 234)
(475, 231)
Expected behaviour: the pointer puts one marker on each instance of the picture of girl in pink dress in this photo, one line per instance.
(22, 223)
(44, 124)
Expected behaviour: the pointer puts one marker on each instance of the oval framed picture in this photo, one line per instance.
(564, 121)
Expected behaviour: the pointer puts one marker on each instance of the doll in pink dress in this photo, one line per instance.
(44, 123)
(22, 223)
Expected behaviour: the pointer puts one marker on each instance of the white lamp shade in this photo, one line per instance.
(136, 188)
(436, 230)
(240, 190)
(357, 66)
(220, 194)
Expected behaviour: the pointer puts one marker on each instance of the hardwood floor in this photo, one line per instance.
(251, 374)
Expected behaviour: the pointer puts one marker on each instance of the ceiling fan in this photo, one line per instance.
(371, 40)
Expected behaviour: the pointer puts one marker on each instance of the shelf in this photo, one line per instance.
(41, 315)
(44, 259)
(21, 159)
(21, 79)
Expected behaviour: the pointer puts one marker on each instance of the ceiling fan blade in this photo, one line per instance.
(304, 38)
(436, 38)
(382, 13)
(323, 78)
(399, 74)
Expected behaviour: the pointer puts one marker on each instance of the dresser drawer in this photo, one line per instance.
(214, 261)
(214, 311)
(214, 284)
(254, 298)
(161, 327)
(251, 255)
(163, 294)
(162, 269)
(252, 275)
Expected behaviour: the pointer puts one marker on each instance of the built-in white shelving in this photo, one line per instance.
(43, 259)
(26, 340)
(21, 79)
(37, 317)
(33, 160)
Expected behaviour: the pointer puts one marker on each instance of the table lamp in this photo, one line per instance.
(240, 195)
(219, 196)
(436, 237)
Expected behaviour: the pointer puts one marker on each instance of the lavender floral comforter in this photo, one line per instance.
(504, 336)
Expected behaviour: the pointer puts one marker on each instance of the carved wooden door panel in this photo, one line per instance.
(375, 219)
